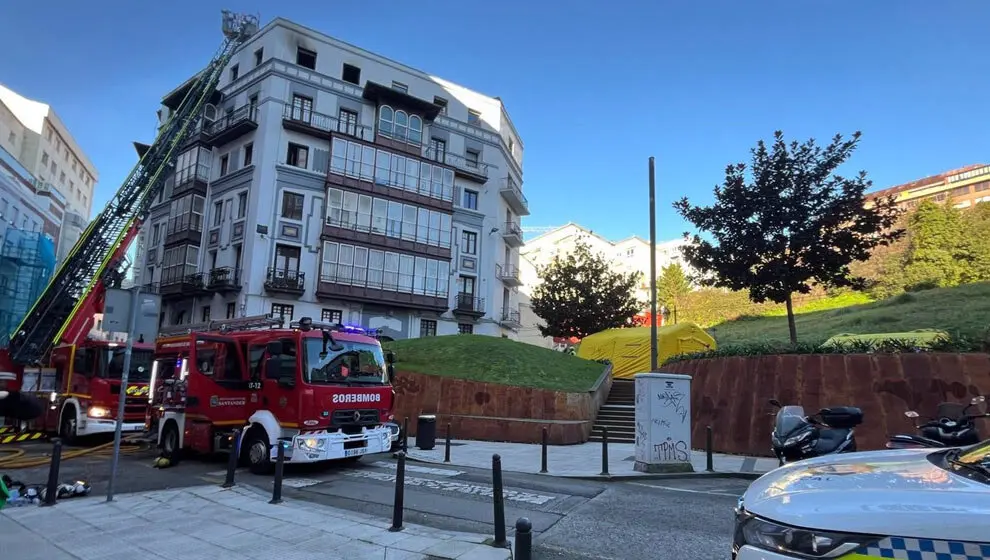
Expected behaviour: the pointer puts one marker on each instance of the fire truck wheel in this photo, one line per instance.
(67, 428)
(169, 443)
(258, 452)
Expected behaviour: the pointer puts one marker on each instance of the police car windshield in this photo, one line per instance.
(358, 362)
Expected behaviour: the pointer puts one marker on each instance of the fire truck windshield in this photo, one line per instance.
(140, 364)
(356, 363)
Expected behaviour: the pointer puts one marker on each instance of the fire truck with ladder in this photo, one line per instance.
(53, 353)
(323, 391)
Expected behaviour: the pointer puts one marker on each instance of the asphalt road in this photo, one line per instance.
(572, 519)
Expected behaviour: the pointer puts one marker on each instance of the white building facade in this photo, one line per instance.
(627, 255)
(334, 183)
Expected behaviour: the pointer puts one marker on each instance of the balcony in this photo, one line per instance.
(233, 125)
(323, 126)
(511, 319)
(468, 305)
(512, 233)
(224, 280)
(185, 228)
(192, 178)
(390, 289)
(285, 281)
(465, 168)
(188, 286)
(514, 197)
(150, 288)
(389, 234)
(508, 274)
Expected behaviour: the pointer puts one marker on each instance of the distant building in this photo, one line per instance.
(964, 187)
(36, 137)
(631, 254)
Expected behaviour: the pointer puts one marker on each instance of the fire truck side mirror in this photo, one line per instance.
(391, 373)
(390, 357)
(275, 348)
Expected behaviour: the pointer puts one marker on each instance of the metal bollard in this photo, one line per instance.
(279, 470)
(543, 456)
(51, 489)
(400, 488)
(405, 435)
(235, 446)
(524, 540)
(499, 502)
(604, 451)
(709, 461)
(446, 450)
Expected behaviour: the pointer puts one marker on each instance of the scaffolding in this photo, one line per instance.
(27, 260)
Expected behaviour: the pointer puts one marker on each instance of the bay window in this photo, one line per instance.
(347, 264)
(186, 214)
(179, 262)
(365, 213)
(399, 125)
(356, 160)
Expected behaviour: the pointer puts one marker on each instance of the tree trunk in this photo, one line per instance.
(791, 327)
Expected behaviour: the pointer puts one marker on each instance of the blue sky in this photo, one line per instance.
(594, 88)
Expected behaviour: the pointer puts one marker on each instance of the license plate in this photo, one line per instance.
(355, 451)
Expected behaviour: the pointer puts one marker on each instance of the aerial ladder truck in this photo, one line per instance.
(52, 354)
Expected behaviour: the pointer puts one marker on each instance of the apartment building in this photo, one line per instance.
(631, 254)
(331, 182)
(34, 134)
(963, 187)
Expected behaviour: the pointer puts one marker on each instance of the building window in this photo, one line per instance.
(292, 205)
(224, 164)
(156, 234)
(399, 125)
(347, 122)
(234, 71)
(248, 154)
(470, 199)
(259, 56)
(287, 258)
(283, 310)
(363, 162)
(465, 328)
(231, 310)
(61, 177)
(205, 314)
(242, 205)
(960, 191)
(427, 327)
(44, 158)
(474, 117)
(217, 212)
(440, 102)
(297, 155)
(472, 157)
(360, 212)
(512, 146)
(469, 242)
(331, 315)
(302, 108)
(465, 285)
(351, 74)
(48, 134)
(186, 214)
(179, 262)
(359, 266)
(399, 86)
(306, 58)
(438, 150)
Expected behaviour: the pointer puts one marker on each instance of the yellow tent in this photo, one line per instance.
(629, 349)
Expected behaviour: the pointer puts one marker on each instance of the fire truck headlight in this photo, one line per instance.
(312, 444)
(98, 412)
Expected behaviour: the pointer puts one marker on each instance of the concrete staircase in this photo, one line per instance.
(618, 414)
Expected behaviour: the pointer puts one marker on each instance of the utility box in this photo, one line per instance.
(663, 423)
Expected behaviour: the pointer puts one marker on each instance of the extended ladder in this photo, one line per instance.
(254, 322)
(95, 259)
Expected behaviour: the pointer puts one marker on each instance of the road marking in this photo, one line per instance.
(416, 468)
(300, 482)
(454, 486)
(672, 489)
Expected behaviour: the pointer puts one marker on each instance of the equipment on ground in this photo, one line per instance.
(53, 352)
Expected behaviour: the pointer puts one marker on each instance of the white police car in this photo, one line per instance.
(915, 504)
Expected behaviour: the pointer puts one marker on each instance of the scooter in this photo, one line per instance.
(952, 426)
(798, 436)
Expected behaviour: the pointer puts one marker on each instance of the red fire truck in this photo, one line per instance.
(322, 389)
(52, 353)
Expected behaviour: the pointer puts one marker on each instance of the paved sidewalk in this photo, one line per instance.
(209, 523)
(579, 461)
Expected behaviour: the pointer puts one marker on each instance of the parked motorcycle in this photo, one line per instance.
(799, 436)
(952, 426)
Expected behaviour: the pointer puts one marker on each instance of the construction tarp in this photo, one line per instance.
(629, 349)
